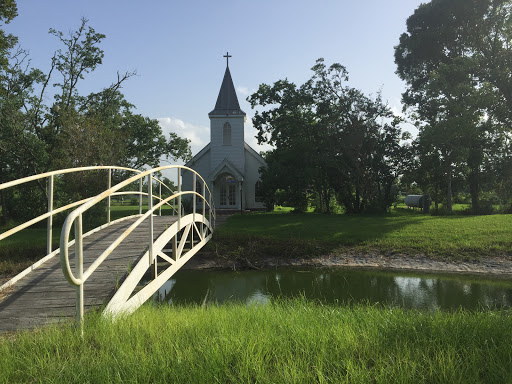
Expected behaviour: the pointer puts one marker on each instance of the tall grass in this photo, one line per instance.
(283, 342)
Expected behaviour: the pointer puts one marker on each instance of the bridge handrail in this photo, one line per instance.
(62, 172)
(77, 214)
(51, 212)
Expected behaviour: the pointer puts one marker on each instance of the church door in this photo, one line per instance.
(228, 191)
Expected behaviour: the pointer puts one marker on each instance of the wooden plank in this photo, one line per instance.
(44, 296)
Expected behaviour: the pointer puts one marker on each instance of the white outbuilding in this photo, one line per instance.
(228, 164)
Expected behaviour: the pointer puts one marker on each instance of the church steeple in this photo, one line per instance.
(227, 102)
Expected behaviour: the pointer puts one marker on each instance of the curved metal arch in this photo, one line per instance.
(75, 219)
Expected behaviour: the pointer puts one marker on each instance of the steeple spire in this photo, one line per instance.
(227, 101)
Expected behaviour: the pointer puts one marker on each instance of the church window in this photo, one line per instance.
(226, 134)
(258, 192)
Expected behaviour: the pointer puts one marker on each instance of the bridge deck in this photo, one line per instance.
(44, 296)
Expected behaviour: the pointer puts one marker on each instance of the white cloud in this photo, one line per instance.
(243, 91)
(199, 135)
(397, 111)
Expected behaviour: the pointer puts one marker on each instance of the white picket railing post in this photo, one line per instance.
(109, 185)
(79, 268)
(179, 199)
(210, 208)
(194, 189)
(140, 196)
(152, 259)
(160, 198)
(204, 208)
(49, 224)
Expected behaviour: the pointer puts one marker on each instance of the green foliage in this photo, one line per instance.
(281, 342)
(8, 11)
(72, 130)
(331, 141)
(454, 60)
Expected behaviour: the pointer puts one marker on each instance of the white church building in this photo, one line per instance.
(228, 164)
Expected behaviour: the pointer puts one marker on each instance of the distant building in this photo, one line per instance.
(228, 164)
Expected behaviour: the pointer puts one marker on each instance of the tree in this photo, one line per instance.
(454, 60)
(329, 138)
(8, 11)
(73, 130)
(291, 128)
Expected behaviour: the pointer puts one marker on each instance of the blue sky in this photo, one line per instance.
(176, 47)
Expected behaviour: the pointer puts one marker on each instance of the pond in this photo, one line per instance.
(338, 286)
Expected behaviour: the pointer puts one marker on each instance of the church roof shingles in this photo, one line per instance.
(227, 102)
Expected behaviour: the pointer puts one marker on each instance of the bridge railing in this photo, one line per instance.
(74, 219)
(51, 211)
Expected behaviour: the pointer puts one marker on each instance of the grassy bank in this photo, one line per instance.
(285, 234)
(401, 231)
(282, 342)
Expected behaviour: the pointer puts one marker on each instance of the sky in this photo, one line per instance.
(177, 48)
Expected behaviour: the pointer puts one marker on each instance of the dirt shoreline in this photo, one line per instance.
(499, 266)
(492, 266)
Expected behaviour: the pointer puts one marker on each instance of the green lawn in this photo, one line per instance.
(283, 342)
(286, 234)
(402, 231)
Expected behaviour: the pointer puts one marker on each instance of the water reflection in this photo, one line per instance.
(338, 286)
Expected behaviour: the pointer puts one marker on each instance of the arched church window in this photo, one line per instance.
(226, 134)
(258, 192)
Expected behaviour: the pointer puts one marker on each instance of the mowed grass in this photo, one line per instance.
(401, 231)
(286, 234)
(283, 342)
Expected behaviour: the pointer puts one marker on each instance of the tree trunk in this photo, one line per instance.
(473, 190)
(5, 214)
(327, 200)
(319, 191)
(436, 198)
(449, 190)
(357, 202)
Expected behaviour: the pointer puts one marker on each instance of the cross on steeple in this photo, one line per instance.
(227, 56)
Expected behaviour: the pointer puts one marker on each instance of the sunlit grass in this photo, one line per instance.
(295, 341)
(285, 234)
(401, 231)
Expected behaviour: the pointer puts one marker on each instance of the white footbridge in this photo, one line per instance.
(106, 265)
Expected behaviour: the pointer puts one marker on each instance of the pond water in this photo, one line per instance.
(338, 286)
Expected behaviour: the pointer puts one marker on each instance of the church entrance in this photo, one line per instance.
(228, 191)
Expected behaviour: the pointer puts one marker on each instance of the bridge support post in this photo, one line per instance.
(109, 184)
(79, 267)
(152, 258)
(50, 218)
(140, 196)
(179, 200)
(193, 213)
(204, 210)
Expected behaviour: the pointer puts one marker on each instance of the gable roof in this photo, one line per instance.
(258, 157)
(227, 102)
(225, 165)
